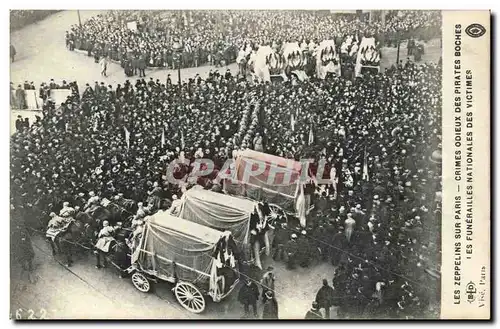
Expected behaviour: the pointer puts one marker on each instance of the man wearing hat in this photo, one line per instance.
(105, 237)
(19, 123)
(92, 203)
(270, 309)
(305, 253)
(67, 211)
(325, 298)
(119, 232)
(281, 236)
(291, 249)
(21, 97)
(267, 281)
(79, 200)
(314, 313)
(54, 227)
(248, 296)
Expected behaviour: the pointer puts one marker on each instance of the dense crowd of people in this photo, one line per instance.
(377, 221)
(22, 18)
(376, 224)
(215, 37)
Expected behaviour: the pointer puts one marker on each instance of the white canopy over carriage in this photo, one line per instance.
(327, 59)
(267, 63)
(218, 211)
(368, 59)
(279, 183)
(295, 60)
(198, 259)
(228, 213)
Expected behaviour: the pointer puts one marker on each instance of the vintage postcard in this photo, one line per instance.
(250, 164)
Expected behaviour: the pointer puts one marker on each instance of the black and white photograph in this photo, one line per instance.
(240, 164)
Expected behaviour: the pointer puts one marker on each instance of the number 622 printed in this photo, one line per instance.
(30, 314)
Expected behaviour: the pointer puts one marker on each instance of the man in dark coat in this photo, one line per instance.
(142, 66)
(248, 295)
(314, 313)
(291, 249)
(21, 98)
(270, 310)
(305, 252)
(19, 123)
(12, 53)
(324, 298)
(279, 241)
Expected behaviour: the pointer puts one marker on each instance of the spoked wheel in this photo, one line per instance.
(189, 297)
(276, 212)
(141, 282)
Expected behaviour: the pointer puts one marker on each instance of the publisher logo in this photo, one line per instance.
(471, 292)
(475, 30)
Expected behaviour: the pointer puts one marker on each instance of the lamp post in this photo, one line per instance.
(177, 46)
(399, 46)
(79, 18)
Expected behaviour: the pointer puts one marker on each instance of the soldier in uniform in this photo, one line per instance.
(92, 203)
(291, 249)
(155, 197)
(105, 238)
(67, 211)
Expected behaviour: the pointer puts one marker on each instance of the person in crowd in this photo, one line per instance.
(104, 66)
(324, 298)
(105, 237)
(12, 53)
(314, 313)
(248, 296)
(270, 308)
(21, 98)
(281, 236)
(292, 249)
(19, 123)
(267, 281)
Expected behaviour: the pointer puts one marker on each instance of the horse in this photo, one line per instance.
(100, 214)
(68, 239)
(118, 254)
(91, 227)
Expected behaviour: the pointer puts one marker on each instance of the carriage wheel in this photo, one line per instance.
(190, 297)
(277, 212)
(141, 282)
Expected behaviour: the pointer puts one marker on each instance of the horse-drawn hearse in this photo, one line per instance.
(198, 260)
(281, 182)
(247, 220)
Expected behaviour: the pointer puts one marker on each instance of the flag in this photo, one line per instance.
(292, 122)
(163, 138)
(127, 137)
(311, 135)
(182, 140)
(365, 168)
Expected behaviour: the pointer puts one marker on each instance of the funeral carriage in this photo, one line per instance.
(198, 260)
(368, 58)
(281, 182)
(248, 221)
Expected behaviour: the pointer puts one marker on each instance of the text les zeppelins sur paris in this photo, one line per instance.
(463, 165)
